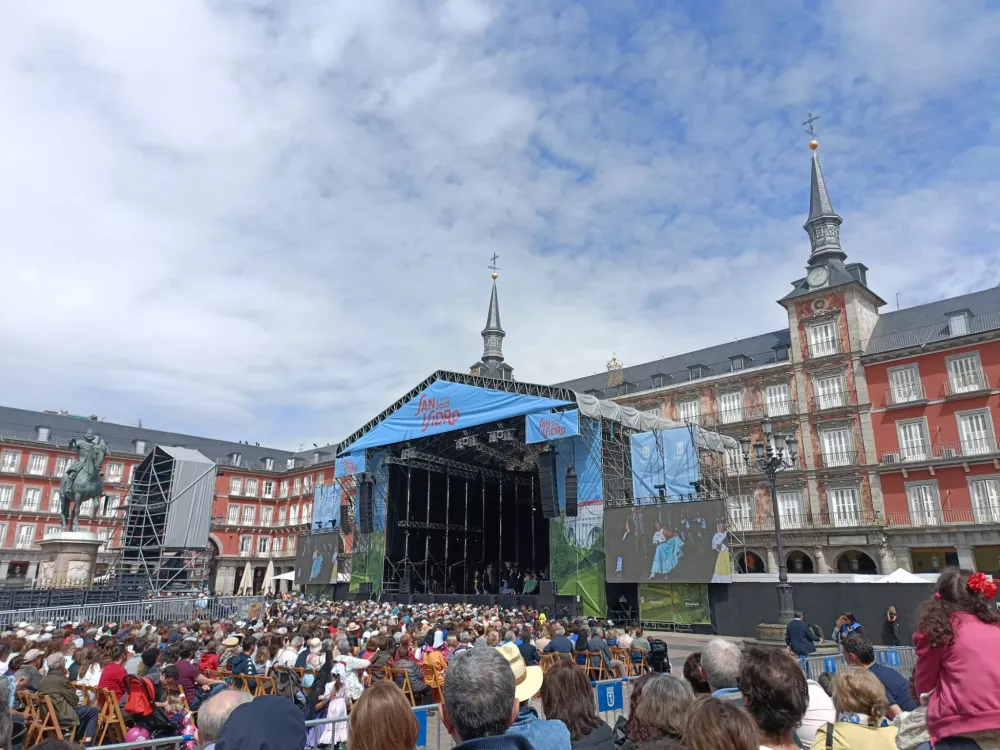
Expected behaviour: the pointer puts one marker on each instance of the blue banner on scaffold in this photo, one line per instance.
(326, 504)
(664, 460)
(542, 427)
(609, 696)
(351, 464)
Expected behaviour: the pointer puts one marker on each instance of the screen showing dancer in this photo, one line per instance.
(316, 561)
(675, 542)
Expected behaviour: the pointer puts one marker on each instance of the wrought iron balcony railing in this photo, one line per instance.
(943, 516)
(905, 395)
(926, 452)
(839, 459)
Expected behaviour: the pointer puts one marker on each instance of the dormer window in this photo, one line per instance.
(268, 463)
(781, 354)
(235, 459)
(139, 446)
(695, 372)
(290, 463)
(659, 379)
(958, 323)
(42, 434)
(737, 363)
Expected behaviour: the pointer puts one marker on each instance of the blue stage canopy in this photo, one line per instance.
(443, 407)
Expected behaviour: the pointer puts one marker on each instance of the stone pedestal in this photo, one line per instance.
(69, 558)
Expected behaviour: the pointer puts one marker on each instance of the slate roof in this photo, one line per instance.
(912, 326)
(715, 360)
(840, 274)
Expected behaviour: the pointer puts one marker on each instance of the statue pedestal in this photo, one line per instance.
(69, 558)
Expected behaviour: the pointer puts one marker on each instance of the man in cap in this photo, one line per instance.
(64, 699)
(33, 664)
(542, 734)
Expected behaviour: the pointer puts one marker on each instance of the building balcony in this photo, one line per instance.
(797, 520)
(944, 517)
(745, 414)
(822, 349)
(923, 453)
(901, 397)
(832, 402)
(966, 384)
(839, 459)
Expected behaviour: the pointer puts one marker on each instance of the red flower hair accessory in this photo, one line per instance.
(980, 584)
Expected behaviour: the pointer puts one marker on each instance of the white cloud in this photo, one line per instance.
(268, 221)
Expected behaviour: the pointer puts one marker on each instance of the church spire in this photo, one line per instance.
(492, 364)
(823, 224)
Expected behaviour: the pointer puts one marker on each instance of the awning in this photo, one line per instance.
(289, 576)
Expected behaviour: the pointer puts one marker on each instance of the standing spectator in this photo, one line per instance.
(336, 700)
(860, 701)
(958, 657)
(775, 693)
(664, 707)
(799, 638)
(435, 662)
(215, 711)
(542, 734)
(568, 697)
(383, 720)
(719, 725)
(859, 652)
(890, 628)
(65, 700)
(480, 702)
(692, 673)
(720, 666)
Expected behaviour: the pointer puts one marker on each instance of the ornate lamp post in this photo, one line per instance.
(775, 454)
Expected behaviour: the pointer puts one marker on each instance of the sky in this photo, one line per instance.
(266, 221)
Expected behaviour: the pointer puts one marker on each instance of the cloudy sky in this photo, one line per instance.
(266, 220)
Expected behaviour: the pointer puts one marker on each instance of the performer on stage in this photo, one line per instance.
(723, 572)
(668, 551)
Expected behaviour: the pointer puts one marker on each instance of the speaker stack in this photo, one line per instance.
(365, 508)
(570, 492)
(547, 491)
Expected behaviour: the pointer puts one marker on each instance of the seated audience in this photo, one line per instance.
(775, 693)
(568, 697)
(692, 673)
(382, 720)
(720, 667)
(65, 701)
(713, 724)
(269, 722)
(543, 734)
(860, 702)
(663, 707)
(859, 652)
(215, 711)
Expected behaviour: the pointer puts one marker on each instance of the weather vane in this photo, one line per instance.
(808, 125)
(493, 266)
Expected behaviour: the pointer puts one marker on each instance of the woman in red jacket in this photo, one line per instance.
(958, 657)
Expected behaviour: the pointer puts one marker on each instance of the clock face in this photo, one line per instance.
(818, 276)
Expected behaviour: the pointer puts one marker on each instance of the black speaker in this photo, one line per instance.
(547, 491)
(345, 519)
(570, 492)
(365, 508)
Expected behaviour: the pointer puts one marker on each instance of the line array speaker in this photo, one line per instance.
(570, 492)
(547, 491)
(365, 508)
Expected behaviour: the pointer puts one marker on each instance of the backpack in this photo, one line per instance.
(658, 659)
(287, 682)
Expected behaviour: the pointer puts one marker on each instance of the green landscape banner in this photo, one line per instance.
(677, 603)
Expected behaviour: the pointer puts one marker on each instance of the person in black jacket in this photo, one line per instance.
(528, 651)
(560, 644)
(799, 638)
(242, 663)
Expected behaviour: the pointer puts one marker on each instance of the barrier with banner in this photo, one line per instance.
(167, 609)
(901, 658)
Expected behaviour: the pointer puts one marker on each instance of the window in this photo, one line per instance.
(986, 500)
(246, 543)
(283, 488)
(236, 459)
(291, 545)
(731, 407)
(116, 471)
(790, 509)
(736, 363)
(51, 530)
(131, 473)
(3, 535)
(307, 482)
(780, 353)
(290, 463)
(734, 463)
(306, 512)
(321, 480)
(103, 534)
(689, 411)
(266, 516)
(269, 464)
(964, 374)
(914, 443)
(958, 324)
(32, 498)
(233, 515)
(236, 485)
(924, 503)
(25, 535)
(904, 384)
(10, 461)
(837, 447)
(741, 514)
(282, 513)
(695, 372)
(251, 487)
(87, 508)
(830, 392)
(844, 507)
(277, 546)
(42, 434)
(263, 545)
(777, 400)
(249, 515)
(976, 432)
(268, 488)
(55, 505)
(62, 462)
(37, 464)
(293, 515)
(6, 496)
(297, 486)
(139, 446)
(114, 503)
(822, 339)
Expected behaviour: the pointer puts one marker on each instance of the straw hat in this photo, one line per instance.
(231, 641)
(527, 680)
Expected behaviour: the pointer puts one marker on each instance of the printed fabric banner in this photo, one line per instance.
(445, 406)
(664, 460)
(351, 464)
(326, 504)
(676, 603)
(542, 427)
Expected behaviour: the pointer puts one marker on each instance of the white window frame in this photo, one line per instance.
(321, 479)
(823, 339)
(737, 363)
(293, 515)
(923, 501)
(842, 455)
(778, 407)
(140, 447)
(828, 397)
(62, 463)
(250, 488)
(266, 516)
(291, 545)
(38, 464)
(236, 486)
(907, 388)
(51, 530)
(734, 463)
(233, 515)
(24, 540)
(977, 446)
(113, 504)
(55, 502)
(984, 494)
(307, 482)
(34, 495)
(131, 473)
(790, 509)
(3, 534)
(958, 324)
(965, 379)
(297, 486)
(840, 514)
(277, 545)
(282, 516)
(43, 434)
(307, 512)
(263, 545)
(116, 472)
(687, 413)
(248, 516)
(6, 496)
(10, 461)
(742, 512)
(283, 488)
(245, 545)
(269, 464)
(729, 410)
(909, 449)
(268, 489)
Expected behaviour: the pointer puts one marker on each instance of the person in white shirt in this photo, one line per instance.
(351, 666)
(290, 653)
(819, 712)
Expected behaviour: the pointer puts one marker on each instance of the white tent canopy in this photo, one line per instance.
(902, 576)
(289, 576)
(246, 582)
(268, 587)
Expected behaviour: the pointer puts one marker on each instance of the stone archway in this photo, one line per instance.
(750, 562)
(800, 562)
(856, 561)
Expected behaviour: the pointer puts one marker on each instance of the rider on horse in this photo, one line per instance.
(82, 480)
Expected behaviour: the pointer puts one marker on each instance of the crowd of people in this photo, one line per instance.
(483, 666)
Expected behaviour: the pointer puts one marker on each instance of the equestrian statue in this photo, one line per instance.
(83, 479)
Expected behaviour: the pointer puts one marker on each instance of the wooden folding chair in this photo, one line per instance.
(622, 654)
(637, 659)
(437, 676)
(377, 673)
(402, 678)
(32, 719)
(47, 722)
(110, 720)
(548, 661)
(266, 685)
(597, 669)
(581, 659)
(27, 699)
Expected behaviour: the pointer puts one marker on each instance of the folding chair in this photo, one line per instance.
(109, 717)
(377, 673)
(32, 718)
(437, 676)
(581, 658)
(404, 683)
(622, 654)
(596, 668)
(47, 721)
(548, 661)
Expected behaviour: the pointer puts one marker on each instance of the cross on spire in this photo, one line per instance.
(808, 125)
(493, 264)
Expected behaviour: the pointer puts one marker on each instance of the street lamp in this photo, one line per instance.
(777, 453)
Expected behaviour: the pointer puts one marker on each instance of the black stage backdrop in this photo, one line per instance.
(737, 608)
(316, 561)
(634, 552)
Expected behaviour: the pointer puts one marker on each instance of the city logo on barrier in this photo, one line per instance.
(680, 448)
(645, 451)
(551, 428)
(435, 411)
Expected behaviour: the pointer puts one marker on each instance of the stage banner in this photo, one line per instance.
(675, 603)
(368, 550)
(576, 544)
(351, 464)
(326, 504)
(444, 406)
(542, 427)
(664, 459)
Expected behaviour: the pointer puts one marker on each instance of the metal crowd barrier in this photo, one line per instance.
(901, 658)
(166, 609)
(431, 734)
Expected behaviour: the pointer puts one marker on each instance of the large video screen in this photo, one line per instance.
(316, 561)
(668, 542)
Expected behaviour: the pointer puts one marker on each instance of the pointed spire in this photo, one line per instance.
(493, 316)
(492, 364)
(823, 224)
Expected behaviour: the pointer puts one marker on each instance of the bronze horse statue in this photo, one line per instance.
(83, 479)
